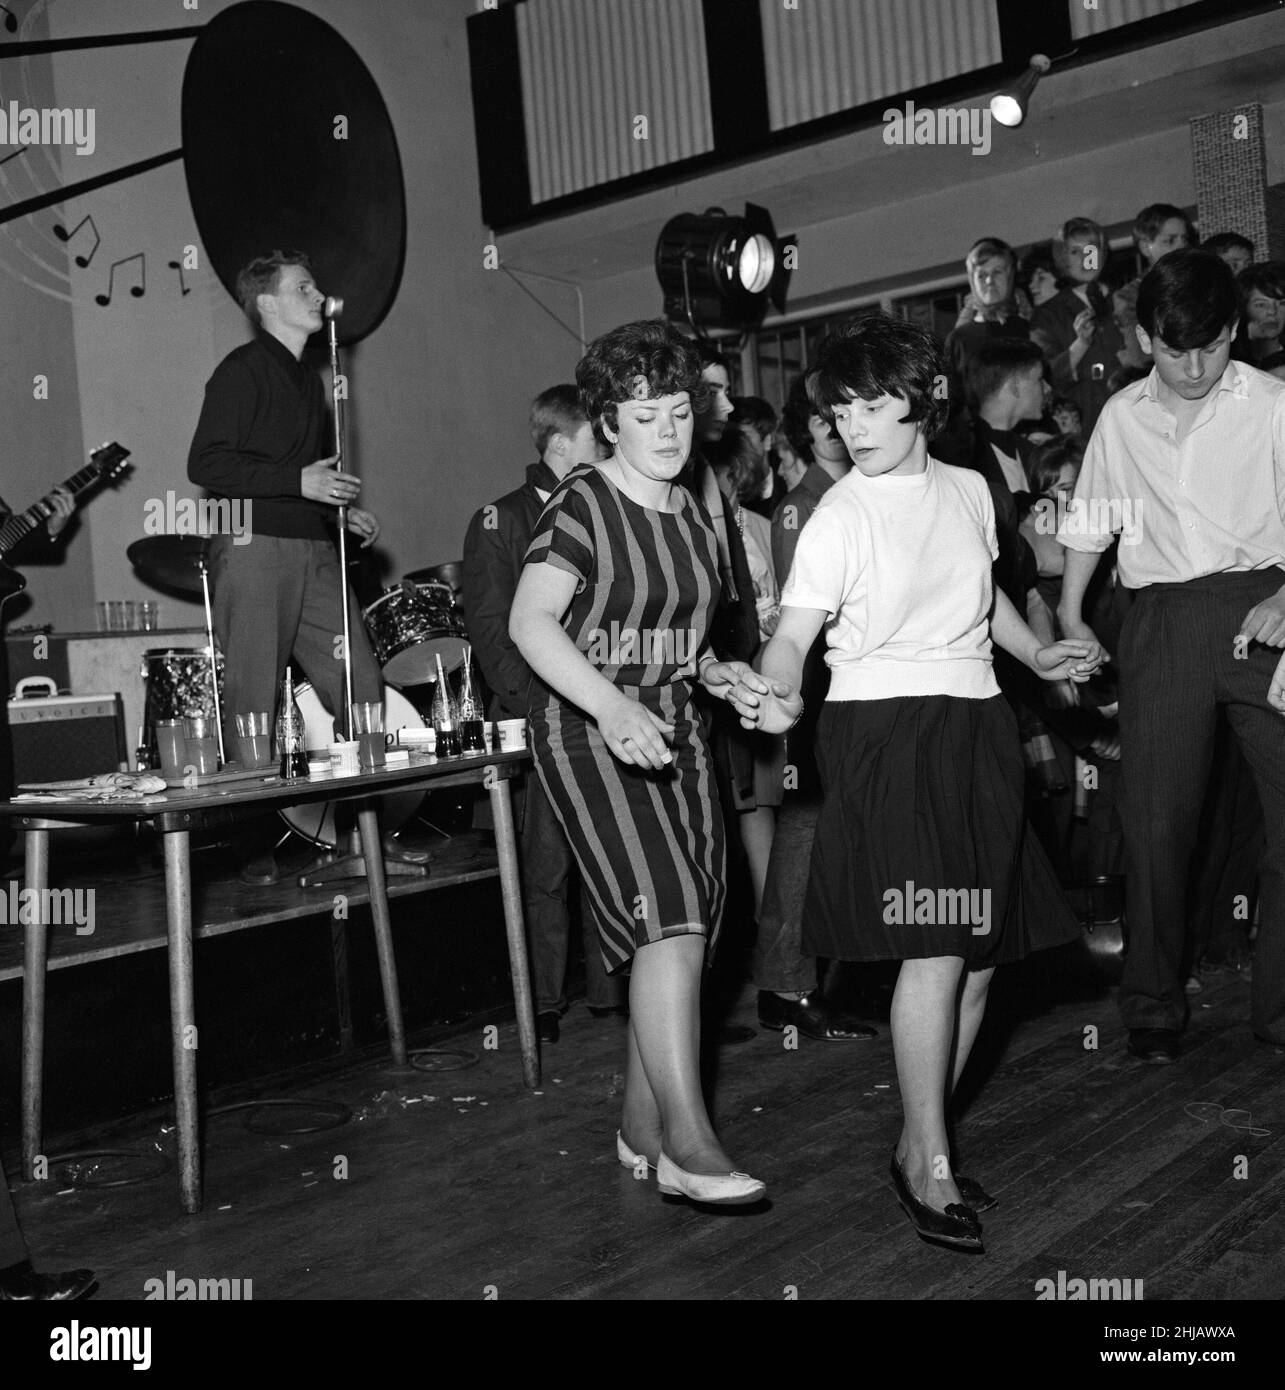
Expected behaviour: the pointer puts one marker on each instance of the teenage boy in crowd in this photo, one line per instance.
(494, 548)
(1196, 451)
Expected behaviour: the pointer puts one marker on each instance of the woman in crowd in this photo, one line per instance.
(1258, 338)
(739, 468)
(921, 853)
(611, 613)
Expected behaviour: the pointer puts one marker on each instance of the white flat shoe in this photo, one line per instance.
(722, 1189)
(627, 1157)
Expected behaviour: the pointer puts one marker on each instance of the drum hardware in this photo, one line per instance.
(410, 625)
(316, 821)
(450, 574)
(178, 683)
(176, 562)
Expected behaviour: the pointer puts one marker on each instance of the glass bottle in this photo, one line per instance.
(290, 733)
(446, 719)
(472, 719)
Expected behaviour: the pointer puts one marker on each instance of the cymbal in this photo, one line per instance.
(174, 562)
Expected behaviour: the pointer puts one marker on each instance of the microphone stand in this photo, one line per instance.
(337, 417)
(335, 866)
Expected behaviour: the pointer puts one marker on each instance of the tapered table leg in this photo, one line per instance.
(34, 959)
(372, 850)
(183, 1034)
(506, 845)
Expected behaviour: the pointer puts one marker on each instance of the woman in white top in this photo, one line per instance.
(921, 852)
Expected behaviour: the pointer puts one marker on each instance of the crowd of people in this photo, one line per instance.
(855, 669)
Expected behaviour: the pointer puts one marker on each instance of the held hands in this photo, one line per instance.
(761, 703)
(364, 524)
(1073, 660)
(320, 483)
(1265, 622)
(634, 734)
(63, 504)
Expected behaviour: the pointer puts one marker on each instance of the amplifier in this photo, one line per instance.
(62, 736)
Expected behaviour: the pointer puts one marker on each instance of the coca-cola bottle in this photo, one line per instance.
(290, 733)
(446, 719)
(472, 719)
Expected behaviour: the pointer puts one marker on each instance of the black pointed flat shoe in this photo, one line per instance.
(957, 1228)
(974, 1195)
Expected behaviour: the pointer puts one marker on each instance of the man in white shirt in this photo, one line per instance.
(1189, 465)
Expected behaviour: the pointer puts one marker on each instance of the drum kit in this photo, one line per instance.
(409, 625)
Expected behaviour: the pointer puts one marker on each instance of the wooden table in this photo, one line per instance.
(175, 814)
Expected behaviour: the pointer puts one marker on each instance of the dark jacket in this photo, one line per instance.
(1053, 328)
(494, 548)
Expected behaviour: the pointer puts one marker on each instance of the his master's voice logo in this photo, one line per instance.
(615, 645)
(955, 907)
(172, 515)
(48, 125)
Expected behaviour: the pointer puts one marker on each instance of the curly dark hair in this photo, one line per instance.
(877, 355)
(650, 351)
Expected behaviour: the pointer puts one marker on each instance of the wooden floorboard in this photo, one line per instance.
(1101, 1168)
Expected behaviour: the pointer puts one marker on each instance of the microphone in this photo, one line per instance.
(333, 308)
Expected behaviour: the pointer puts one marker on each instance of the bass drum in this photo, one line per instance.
(315, 820)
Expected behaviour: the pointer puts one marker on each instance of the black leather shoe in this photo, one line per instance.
(403, 853)
(957, 1227)
(21, 1284)
(973, 1195)
(811, 1017)
(1158, 1045)
(546, 1027)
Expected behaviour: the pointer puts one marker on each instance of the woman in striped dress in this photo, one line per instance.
(611, 614)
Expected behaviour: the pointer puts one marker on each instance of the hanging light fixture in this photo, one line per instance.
(1009, 106)
(721, 271)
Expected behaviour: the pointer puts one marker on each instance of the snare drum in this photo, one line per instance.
(315, 820)
(410, 626)
(178, 683)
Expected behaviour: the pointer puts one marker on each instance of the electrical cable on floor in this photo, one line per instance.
(340, 1115)
(433, 1054)
(75, 1176)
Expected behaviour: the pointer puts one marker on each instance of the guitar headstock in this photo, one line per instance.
(110, 461)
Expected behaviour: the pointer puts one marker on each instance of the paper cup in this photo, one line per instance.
(345, 759)
(512, 735)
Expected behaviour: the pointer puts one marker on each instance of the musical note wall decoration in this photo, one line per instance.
(138, 291)
(63, 234)
(183, 285)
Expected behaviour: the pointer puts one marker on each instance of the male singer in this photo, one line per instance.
(262, 438)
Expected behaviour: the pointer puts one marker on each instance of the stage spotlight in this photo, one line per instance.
(1009, 106)
(720, 271)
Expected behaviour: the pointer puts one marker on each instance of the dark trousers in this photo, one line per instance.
(1179, 664)
(547, 869)
(13, 1249)
(779, 962)
(276, 598)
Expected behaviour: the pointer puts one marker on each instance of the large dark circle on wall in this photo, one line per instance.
(266, 88)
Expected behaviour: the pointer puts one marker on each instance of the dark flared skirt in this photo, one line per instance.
(922, 848)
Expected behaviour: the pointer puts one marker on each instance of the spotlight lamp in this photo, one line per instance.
(1009, 106)
(721, 271)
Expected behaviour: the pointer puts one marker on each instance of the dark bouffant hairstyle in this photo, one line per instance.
(1187, 298)
(1147, 224)
(877, 355)
(1221, 242)
(652, 351)
(753, 411)
(262, 276)
(995, 360)
(1267, 278)
(746, 467)
(1048, 460)
(555, 411)
(795, 414)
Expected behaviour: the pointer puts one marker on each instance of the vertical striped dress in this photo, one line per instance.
(649, 843)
